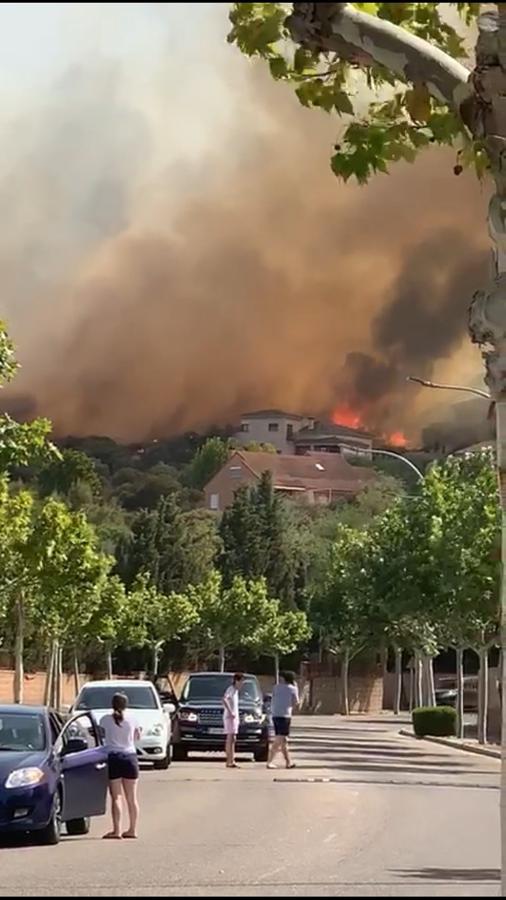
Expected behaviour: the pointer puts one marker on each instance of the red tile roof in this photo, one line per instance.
(311, 472)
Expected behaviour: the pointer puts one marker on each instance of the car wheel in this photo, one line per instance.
(77, 826)
(51, 834)
(179, 754)
(162, 763)
(262, 754)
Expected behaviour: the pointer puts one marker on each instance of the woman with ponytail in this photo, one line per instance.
(120, 733)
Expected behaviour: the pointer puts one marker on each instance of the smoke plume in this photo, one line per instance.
(154, 287)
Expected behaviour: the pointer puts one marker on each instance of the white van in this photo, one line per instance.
(152, 717)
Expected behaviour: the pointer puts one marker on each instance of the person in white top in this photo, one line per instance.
(231, 718)
(120, 732)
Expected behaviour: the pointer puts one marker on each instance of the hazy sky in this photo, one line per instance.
(174, 242)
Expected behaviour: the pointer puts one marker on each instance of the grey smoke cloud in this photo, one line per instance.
(149, 296)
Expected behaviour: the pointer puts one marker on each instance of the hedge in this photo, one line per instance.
(437, 721)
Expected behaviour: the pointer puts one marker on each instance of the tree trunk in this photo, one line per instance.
(418, 679)
(398, 681)
(411, 688)
(487, 321)
(19, 648)
(77, 680)
(222, 659)
(155, 659)
(276, 667)
(483, 697)
(108, 662)
(345, 686)
(429, 681)
(59, 677)
(460, 692)
(48, 687)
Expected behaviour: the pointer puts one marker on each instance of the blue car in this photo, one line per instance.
(51, 772)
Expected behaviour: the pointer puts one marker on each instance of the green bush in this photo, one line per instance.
(437, 721)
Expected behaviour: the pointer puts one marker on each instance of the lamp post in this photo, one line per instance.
(418, 472)
(449, 387)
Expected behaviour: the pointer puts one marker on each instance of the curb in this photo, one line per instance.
(448, 742)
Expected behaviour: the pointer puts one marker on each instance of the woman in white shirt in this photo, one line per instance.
(120, 733)
(231, 718)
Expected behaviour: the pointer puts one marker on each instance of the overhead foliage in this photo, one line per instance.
(386, 117)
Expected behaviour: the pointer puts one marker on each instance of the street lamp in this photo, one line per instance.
(403, 459)
(449, 387)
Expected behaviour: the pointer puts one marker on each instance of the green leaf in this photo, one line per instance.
(278, 67)
(343, 103)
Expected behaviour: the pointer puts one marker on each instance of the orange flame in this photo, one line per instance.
(344, 415)
(397, 439)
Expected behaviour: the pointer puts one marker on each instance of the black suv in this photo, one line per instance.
(198, 722)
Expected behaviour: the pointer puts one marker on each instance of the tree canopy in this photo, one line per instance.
(393, 72)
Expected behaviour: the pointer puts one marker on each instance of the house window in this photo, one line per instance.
(244, 427)
(289, 432)
(235, 471)
(214, 501)
(273, 426)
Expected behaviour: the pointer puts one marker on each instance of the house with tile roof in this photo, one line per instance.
(290, 433)
(314, 478)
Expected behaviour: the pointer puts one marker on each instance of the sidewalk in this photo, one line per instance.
(467, 745)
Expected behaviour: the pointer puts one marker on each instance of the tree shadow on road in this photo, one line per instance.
(438, 874)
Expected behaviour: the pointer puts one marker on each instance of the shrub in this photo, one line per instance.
(438, 721)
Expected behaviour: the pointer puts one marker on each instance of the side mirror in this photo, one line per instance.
(169, 708)
(75, 745)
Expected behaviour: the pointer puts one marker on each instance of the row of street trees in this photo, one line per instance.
(423, 577)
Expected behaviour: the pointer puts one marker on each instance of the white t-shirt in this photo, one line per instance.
(232, 696)
(119, 738)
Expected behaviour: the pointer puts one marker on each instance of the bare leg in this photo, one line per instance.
(230, 746)
(286, 752)
(274, 748)
(130, 791)
(115, 792)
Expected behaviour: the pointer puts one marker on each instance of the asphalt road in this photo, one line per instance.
(366, 813)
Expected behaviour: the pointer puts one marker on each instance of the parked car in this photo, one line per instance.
(446, 696)
(198, 723)
(51, 772)
(446, 692)
(152, 716)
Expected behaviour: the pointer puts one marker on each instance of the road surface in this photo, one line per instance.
(367, 812)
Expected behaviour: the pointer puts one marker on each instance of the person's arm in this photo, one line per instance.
(226, 702)
(296, 698)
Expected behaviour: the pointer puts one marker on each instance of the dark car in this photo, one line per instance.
(51, 772)
(198, 723)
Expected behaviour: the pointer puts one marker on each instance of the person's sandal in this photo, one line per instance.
(291, 766)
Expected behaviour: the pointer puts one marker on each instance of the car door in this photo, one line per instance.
(84, 773)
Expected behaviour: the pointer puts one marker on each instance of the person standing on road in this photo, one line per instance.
(285, 696)
(120, 733)
(231, 718)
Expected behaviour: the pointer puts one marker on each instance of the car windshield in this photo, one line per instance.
(139, 697)
(212, 687)
(22, 732)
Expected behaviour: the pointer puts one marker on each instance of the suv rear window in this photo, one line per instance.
(212, 687)
(139, 697)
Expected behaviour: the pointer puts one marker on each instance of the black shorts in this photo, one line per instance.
(281, 726)
(123, 765)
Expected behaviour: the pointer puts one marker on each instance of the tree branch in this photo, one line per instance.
(359, 37)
